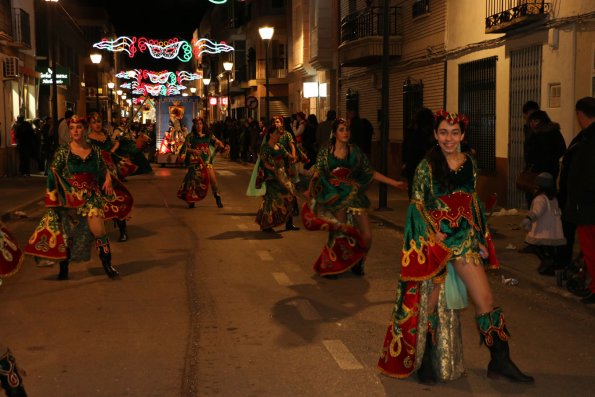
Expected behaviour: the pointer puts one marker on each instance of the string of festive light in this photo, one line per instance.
(206, 46)
(169, 49)
(218, 1)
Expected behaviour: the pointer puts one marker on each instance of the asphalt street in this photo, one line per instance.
(208, 305)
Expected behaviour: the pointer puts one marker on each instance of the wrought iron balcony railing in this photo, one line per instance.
(504, 15)
(370, 22)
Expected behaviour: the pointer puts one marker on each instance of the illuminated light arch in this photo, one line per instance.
(169, 49)
(120, 44)
(206, 46)
(218, 1)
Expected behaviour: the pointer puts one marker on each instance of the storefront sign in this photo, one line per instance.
(62, 76)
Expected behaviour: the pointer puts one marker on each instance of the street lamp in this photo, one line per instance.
(52, 54)
(266, 33)
(228, 66)
(193, 90)
(96, 59)
(206, 81)
(110, 86)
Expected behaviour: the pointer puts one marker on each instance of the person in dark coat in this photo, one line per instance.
(418, 139)
(25, 142)
(545, 145)
(580, 200)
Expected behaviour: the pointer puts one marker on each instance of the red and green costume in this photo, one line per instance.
(457, 213)
(278, 201)
(74, 192)
(341, 185)
(195, 185)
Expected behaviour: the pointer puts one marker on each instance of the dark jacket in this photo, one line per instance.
(544, 149)
(580, 204)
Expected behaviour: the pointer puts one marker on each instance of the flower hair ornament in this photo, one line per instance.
(452, 118)
(77, 120)
(94, 116)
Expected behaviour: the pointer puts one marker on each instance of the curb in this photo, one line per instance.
(27, 207)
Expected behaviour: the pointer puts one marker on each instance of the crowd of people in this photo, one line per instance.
(447, 245)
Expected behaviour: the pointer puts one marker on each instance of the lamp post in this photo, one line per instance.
(110, 87)
(96, 59)
(52, 51)
(266, 33)
(228, 66)
(206, 82)
(124, 104)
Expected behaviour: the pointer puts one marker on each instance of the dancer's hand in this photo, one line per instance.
(439, 236)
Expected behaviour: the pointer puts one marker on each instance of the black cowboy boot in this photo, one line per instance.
(426, 374)
(105, 254)
(494, 334)
(289, 224)
(63, 275)
(123, 230)
(10, 379)
(218, 199)
(358, 269)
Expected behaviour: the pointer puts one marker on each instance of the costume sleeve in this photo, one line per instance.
(365, 172)
(183, 153)
(52, 196)
(481, 224)
(422, 257)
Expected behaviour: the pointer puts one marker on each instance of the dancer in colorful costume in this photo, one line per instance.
(198, 153)
(446, 245)
(118, 166)
(278, 201)
(79, 188)
(339, 203)
(126, 148)
(11, 258)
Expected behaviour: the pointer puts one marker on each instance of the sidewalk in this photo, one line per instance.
(20, 194)
(506, 235)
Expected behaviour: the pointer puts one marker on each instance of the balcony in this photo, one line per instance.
(505, 15)
(362, 36)
(256, 74)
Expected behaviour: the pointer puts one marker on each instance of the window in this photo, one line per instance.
(420, 7)
(477, 100)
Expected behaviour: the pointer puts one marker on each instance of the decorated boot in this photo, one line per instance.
(123, 230)
(494, 334)
(105, 254)
(10, 379)
(426, 374)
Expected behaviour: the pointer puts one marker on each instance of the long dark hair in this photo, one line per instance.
(440, 169)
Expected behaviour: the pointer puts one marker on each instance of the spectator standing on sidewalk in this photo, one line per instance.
(25, 144)
(419, 138)
(544, 225)
(323, 131)
(63, 131)
(580, 203)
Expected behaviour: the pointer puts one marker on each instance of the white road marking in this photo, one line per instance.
(242, 226)
(282, 279)
(226, 173)
(264, 255)
(306, 310)
(341, 354)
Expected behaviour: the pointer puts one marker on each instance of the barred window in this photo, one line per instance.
(477, 99)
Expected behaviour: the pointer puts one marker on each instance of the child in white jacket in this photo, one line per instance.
(544, 224)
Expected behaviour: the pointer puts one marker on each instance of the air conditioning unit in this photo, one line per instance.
(11, 67)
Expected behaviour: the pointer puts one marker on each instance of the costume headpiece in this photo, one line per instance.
(452, 118)
(77, 120)
(94, 116)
